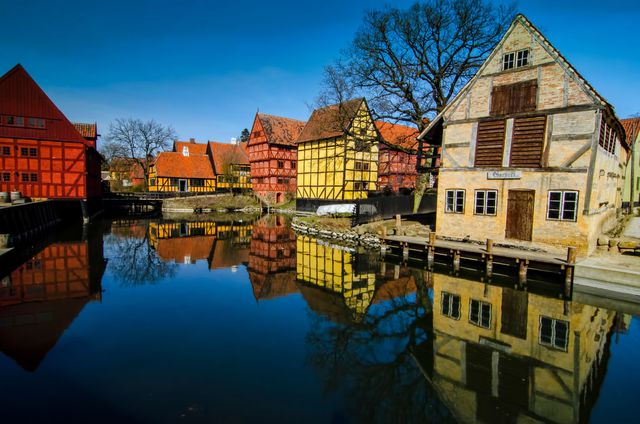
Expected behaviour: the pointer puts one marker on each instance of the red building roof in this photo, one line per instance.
(330, 121)
(174, 164)
(280, 130)
(631, 126)
(398, 135)
(193, 147)
(226, 153)
(87, 130)
(21, 96)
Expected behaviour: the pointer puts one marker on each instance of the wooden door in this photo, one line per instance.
(520, 214)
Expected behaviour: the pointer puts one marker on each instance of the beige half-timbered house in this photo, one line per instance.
(530, 151)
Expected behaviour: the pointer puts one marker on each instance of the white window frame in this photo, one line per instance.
(485, 202)
(480, 313)
(450, 314)
(563, 205)
(552, 344)
(516, 59)
(456, 204)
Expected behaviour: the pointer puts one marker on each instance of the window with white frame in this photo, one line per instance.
(554, 333)
(515, 59)
(485, 202)
(480, 313)
(454, 201)
(562, 205)
(451, 305)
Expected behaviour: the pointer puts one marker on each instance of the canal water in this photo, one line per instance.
(154, 321)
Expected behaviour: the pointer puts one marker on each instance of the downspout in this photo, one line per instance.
(592, 162)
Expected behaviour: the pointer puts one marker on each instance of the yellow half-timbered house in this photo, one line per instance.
(338, 154)
(186, 168)
(230, 165)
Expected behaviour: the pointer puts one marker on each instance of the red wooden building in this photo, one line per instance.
(42, 154)
(273, 155)
(397, 156)
(272, 258)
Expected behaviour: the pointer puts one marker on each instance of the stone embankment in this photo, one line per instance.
(345, 236)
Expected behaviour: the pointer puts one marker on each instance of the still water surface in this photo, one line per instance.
(168, 321)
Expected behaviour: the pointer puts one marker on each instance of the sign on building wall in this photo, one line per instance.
(504, 175)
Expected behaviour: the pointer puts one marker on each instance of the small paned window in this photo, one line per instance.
(6, 150)
(280, 164)
(480, 313)
(562, 205)
(6, 176)
(451, 305)
(18, 121)
(293, 164)
(485, 202)
(36, 122)
(454, 201)
(24, 151)
(554, 333)
(24, 178)
(33, 151)
(361, 185)
(34, 177)
(515, 59)
(152, 182)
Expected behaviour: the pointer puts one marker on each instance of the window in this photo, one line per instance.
(280, 164)
(293, 164)
(554, 333)
(480, 313)
(6, 150)
(24, 151)
(562, 205)
(454, 201)
(361, 166)
(515, 59)
(451, 305)
(36, 122)
(6, 176)
(522, 58)
(283, 180)
(24, 178)
(152, 182)
(361, 185)
(34, 177)
(485, 203)
(33, 151)
(18, 121)
(185, 151)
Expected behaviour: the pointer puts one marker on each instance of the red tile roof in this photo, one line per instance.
(226, 153)
(280, 130)
(196, 248)
(398, 135)
(194, 148)
(87, 130)
(631, 126)
(174, 164)
(20, 95)
(330, 121)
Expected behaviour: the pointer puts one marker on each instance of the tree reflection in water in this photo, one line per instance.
(133, 261)
(372, 360)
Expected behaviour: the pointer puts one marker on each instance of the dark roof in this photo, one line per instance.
(330, 121)
(280, 130)
(20, 95)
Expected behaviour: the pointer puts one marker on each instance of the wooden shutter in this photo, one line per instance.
(490, 143)
(514, 98)
(527, 141)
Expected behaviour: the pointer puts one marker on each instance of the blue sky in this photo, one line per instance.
(205, 67)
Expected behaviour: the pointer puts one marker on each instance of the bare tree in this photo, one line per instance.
(137, 140)
(410, 63)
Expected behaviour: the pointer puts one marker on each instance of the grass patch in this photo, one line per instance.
(326, 222)
(217, 201)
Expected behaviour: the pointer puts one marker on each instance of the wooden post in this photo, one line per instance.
(571, 261)
(522, 275)
(405, 251)
(456, 260)
(431, 249)
(398, 221)
(489, 258)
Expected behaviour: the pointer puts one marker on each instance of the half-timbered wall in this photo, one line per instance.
(536, 127)
(46, 169)
(397, 169)
(340, 168)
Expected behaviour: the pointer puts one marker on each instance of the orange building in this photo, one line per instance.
(397, 155)
(273, 156)
(42, 154)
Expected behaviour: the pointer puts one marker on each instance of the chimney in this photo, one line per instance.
(192, 140)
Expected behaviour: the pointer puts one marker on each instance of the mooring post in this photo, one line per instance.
(489, 258)
(5, 240)
(431, 249)
(456, 260)
(405, 251)
(523, 272)
(571, 261)
(398, 221)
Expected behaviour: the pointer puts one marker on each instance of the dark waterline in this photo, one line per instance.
(243, 321)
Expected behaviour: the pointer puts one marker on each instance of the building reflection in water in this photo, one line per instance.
(41, 298)
(446, 348)
(272, 258)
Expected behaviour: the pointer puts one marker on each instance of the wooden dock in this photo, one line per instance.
(485, 256)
